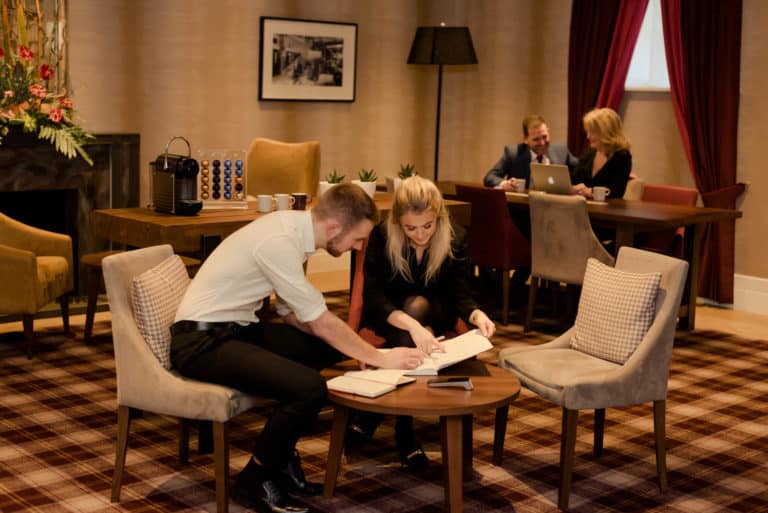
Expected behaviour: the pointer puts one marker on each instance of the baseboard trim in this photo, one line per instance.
(750, 294)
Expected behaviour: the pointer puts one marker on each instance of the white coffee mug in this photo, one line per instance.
(600, 193)
(284, 201)
(264, 202)
(518, 184)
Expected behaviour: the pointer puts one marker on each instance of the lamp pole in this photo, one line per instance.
(437, 127)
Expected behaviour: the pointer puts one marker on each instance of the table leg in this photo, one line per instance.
(466, 447)
(692, 249)
(625, 236)
(500, 434)
(338, 430)
(451, 428)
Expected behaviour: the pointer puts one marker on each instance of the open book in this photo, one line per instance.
(375, 382)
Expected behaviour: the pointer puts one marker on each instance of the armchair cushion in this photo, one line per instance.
(615, 311)
(156, 294)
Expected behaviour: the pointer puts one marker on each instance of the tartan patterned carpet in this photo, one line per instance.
(58, 424)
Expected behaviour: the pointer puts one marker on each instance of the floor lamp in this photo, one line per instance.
(441, 45)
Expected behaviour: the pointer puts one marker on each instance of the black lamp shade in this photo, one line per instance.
(442, 45)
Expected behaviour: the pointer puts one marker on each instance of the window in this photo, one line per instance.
(648, 69)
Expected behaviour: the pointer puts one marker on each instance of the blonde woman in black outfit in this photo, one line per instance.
(607, 162)
(416, 287)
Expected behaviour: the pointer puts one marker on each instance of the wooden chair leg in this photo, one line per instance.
(64, 305)
(567, 449)
(28, 320)
(123, 429)
(660, 429)
(500, 434)
(599, 431)
(531, 303)
(94, 281)
(221, 458)
(183, 441)
(504, 296)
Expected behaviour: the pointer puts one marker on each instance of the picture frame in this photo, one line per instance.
(307, 60)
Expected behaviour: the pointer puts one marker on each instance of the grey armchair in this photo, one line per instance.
(561, 242)
(144, 384)
(575, 380)
(35, 269)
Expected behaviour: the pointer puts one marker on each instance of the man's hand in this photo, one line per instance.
(403, 358)
(507, 185)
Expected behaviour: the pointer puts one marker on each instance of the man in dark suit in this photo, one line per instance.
(516, 161)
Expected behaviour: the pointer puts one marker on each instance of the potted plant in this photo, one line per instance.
(367, 181)
(331, 179)
(393, 182)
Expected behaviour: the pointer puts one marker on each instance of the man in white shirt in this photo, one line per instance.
(218, 338)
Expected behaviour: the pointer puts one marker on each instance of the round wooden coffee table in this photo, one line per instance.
(453, 406)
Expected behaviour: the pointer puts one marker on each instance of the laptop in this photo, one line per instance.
(551, 178)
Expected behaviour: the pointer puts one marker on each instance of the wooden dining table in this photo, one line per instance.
(631, 217)
(199, 234)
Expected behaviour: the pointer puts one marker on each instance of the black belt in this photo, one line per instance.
(188, 326)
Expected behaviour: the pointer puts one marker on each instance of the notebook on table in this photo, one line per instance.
(551, 178)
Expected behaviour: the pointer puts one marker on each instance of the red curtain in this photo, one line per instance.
(627, 28)
(703, 47)
(592, 28)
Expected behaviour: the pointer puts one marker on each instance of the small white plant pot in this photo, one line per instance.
(368, 187)
(393, 182)
(324, 186)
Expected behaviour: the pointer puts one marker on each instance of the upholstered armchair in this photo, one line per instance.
(144, 288)
(617, 354)
(280, 167)
(561, 242)
(35, 269)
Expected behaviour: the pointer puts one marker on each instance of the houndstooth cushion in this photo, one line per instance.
(615, 311)
(156, 295)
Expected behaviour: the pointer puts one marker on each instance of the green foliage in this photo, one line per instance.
(67, 140)
(334, 177)
(367, 175)
(406, 170)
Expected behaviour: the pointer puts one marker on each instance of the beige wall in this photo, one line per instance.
(189, 67)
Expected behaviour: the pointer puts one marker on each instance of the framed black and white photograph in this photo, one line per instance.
(307, 60)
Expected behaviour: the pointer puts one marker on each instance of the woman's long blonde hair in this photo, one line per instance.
(418, 195)
(605, 123)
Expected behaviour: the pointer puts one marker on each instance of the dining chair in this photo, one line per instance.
(144, 288)
(634, 190)
(35, 269)
(281, 167)
(670, 242)
(354, 320)
(493, 238)
(617, 353)
(561, 242)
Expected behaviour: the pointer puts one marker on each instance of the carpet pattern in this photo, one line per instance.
(58, 425)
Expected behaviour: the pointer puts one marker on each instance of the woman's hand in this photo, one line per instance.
(581, 190)
(484, 324)
(425, 339)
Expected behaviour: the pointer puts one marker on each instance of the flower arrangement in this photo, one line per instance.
(26, 102)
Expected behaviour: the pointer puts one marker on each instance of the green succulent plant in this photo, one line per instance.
(334, 177)
(367, 175)
(406, 170)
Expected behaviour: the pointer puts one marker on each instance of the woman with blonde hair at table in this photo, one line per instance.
(607, 162)
(416, 287)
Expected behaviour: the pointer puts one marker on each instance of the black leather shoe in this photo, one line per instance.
(292, 478)
(264, 496)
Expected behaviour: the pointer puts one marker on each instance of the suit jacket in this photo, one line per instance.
(516, 162)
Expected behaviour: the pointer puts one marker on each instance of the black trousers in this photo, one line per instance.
(272, 360)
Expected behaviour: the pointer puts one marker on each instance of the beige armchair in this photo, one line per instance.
(280, 167)
(576, 380)
(561, 242)
(35, 269)
(144, 384)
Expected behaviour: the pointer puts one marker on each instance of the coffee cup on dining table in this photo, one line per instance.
(299, 200)
(264, 202)
(600, 193)
(284, 201)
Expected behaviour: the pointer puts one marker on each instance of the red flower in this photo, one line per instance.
(66, 103)
(38, 90)
(25, 53)
(46, 72)
(55, 115)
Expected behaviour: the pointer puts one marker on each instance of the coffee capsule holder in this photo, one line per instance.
(222, 179)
